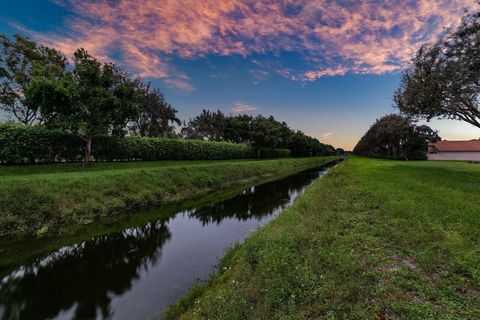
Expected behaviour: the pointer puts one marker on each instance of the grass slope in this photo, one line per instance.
(373, 239)
(40, 199)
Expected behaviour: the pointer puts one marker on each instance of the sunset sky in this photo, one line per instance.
(326, 67)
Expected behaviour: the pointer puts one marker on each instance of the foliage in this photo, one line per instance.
(372, 239)
(20, 61)
(34, 197)
(109, 148)
(260, 132)
(156, 117)
(91, 99)
(396, 136)
(38, 144)
(265, 133)
(238, 128)
(275, 153)
(444, 80)
(208, 125)
(94, 99)
(305, 146)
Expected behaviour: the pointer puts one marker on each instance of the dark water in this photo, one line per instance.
(138, 272)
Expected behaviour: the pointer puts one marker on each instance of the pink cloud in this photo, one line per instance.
(259, 75)
(242, 107)
(179, 83)
(373, 37)
(327, 134)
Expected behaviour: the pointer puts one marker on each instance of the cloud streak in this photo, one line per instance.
(330, 37)
(242, 107)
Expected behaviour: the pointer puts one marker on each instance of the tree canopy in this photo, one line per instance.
(396, 136)
(94, 98)
(208, 125)
(20, 61)
(156, 117)
(444, 79)
(90, 98)
(260, 132)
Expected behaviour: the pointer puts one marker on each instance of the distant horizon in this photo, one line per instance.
(329, 71)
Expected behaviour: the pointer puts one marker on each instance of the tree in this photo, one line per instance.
(444, 79)
(302, 145)
(259, 132)
(91, 99)
(20, 61)
(156, 117)
(238, 128)
(265, 133)
(396, 136)
(208, 125)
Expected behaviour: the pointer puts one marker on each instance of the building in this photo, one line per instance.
(454, 150)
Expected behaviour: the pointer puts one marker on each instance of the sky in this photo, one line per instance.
(326, 67)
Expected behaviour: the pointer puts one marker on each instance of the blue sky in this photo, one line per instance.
(326, 67)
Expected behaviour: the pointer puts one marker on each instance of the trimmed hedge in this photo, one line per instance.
(275, 153)
(37, 144)
(107, 148)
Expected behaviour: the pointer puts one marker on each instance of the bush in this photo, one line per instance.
(275, 153)
(37, 144)
(26, 144)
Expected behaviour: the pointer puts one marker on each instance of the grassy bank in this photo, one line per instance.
(43, 199)
(373, 239)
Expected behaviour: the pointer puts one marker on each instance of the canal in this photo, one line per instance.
(137, 272)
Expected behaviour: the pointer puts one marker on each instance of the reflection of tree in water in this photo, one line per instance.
(257, 201)
(83, 276)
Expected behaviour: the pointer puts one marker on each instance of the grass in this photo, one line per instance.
(374, 239)
(45, 199)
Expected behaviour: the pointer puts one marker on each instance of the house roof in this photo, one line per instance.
(457, 146)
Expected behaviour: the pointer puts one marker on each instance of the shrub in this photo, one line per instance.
(37, 144)
(275, 153)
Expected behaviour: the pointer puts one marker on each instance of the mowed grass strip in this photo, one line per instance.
(374, 239)
(40, 199)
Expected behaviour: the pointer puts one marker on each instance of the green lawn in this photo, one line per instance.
(373, 239)
(42, 199)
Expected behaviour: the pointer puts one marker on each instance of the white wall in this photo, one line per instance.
(468, 156)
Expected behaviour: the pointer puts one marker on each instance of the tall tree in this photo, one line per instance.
(208, 125)
(396, 136)
(20, 61)
(91, 99)
(156, 117)
(444, 79)
(265, 133)
(238, 128)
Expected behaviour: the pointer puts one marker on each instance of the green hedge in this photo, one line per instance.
(31, 144)
(37, 144)
(107, 148)
(275, 153)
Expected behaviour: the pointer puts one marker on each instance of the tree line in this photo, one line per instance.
(86, 97)
(260, 132)
(397, 137)
(443, 81)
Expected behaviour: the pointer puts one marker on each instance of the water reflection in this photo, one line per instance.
(84, 275)
(255, 202)
(136, 273)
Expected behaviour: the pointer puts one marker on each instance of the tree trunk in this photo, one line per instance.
(258, 153)
(88, 151)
